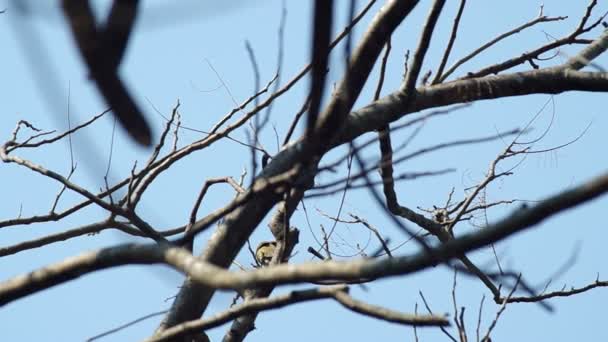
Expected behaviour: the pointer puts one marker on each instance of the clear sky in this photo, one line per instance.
(174, 51)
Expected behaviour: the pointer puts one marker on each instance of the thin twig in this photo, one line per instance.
(448, 49)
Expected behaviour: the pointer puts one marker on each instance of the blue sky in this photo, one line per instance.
(168, 59)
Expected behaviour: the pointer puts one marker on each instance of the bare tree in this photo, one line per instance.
(330, 159)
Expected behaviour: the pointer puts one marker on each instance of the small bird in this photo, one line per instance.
(265, 251)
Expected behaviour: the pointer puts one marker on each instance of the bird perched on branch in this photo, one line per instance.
(265, 251)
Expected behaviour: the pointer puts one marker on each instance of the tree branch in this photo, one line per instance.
(212, 276)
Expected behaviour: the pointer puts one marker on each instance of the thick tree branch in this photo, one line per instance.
(212, 276)
(393, 106)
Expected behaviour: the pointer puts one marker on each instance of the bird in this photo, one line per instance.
(265, 251)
